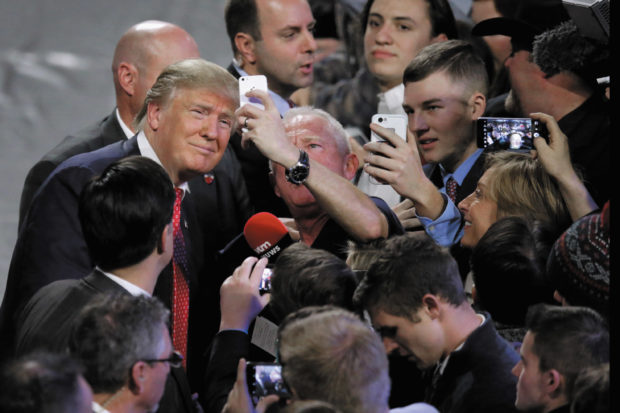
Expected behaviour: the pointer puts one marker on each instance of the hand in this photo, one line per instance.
(240, 300)
(239, 397)
(405, 211)
(555, 156)
(266, 130)
(291, 226)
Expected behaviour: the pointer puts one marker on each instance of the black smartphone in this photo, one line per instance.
(265, 379)
(515, 134)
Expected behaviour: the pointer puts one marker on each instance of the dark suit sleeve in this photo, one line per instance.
(227, 348)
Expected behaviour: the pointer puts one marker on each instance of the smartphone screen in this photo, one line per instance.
(514, 134)
(264, 379)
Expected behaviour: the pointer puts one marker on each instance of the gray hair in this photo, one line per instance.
(330, 354)
(332, 125)
(189, 74)
(112, 333)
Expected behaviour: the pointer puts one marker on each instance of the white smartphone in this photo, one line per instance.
(396, 122)
(248, 83)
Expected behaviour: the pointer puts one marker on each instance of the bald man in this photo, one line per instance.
(140, 55)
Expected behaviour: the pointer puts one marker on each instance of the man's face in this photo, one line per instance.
(155, 381)
(396, 31)
(441, 117)
(530, 395)
(525, 77)
(310, 134)
(191, 131)
(479, 211)
(420, 342)
(285, 53)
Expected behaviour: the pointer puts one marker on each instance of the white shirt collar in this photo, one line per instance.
(131, 288)
(391, 101)
(98, 409)
(147, 150)
(128, 132)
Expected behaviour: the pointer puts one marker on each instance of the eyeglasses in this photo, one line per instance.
(175, 360)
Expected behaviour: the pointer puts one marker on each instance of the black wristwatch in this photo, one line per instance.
(299, 172)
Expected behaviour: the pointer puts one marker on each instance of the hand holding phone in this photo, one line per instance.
(515, 134)
(265, 379)
(397, 123)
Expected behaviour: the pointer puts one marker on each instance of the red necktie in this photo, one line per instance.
(180, 287)
(451, 186)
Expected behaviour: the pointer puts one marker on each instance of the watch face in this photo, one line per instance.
(299, 173)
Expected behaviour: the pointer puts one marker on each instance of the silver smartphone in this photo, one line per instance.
(396, 123)
(249, 83)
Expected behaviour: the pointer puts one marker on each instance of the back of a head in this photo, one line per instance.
(42, 383)
(330, 354)
(189, 74)
(241, 16)
(508, 270)
(521, 187)
(124, 210)
(112, 333)
(578, 265)
(592, 391)
(568, 339)
(309, 406)
(305, 276)
(458, 59)
(410, 266)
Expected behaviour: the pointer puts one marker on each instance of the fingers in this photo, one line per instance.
(257, 272)
(388, 135)
(264, 97)
(243, 271)
(265, 402)
(240, 373)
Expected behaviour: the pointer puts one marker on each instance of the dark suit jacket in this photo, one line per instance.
(96, 136)
(48, 317)
(50, 245)
(255, 169)
(478, 377)
(460, 254)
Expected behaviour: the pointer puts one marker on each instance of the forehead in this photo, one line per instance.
(308, 128)
(274, 15)
(436, 86)
(527, 348)
(416, 10)
(204, 97)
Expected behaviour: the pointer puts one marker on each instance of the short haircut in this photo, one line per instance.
(591, 392)
(439, 13)
(521, 187)
(568, 339)
(330, 354)
(189, 74)
(456, 58)
(411, 266)
(124, 211)
(361, 255)
(114, 332)
(508, 266)
(241, 16)
(331, 124)
(304, 276)
(40, 383)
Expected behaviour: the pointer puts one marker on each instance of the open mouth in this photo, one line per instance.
(307, 68)
(425, 143)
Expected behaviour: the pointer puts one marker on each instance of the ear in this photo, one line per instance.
(441, 37)
(127, 75)
(246, 46)
(430, 303)
(350, 166)
(153, 115)
(553, 382)
(478, 104)
(137, 378)
(162, 244)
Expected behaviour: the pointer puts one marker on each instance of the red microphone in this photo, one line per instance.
(266, 235)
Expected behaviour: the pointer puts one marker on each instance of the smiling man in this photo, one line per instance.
(273, 38)
(416, 302)
(185, 125)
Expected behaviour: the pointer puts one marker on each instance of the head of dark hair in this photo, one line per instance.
(124, 211)
(241, 16)
(40, 383)
(508, 270)
(439, 13)
(112, 333)
(568, 339)
(411, 266)
(458, 59)
(304, 276)
(592, 391)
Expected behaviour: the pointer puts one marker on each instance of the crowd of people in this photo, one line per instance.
(421, 274)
